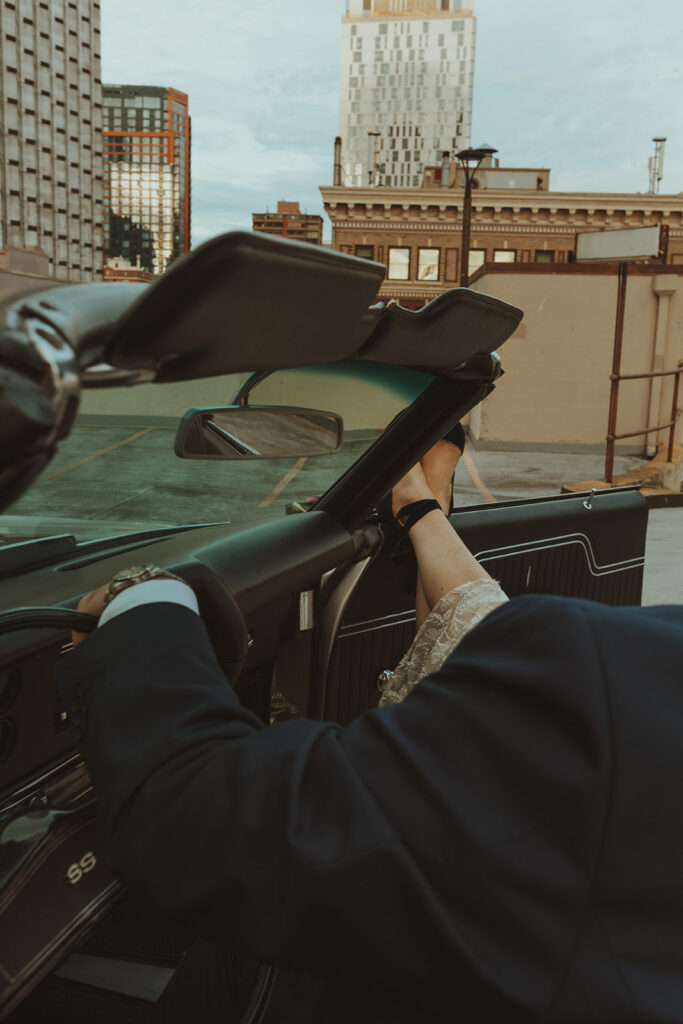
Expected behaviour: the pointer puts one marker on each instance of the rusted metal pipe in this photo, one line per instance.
(639, 433)
(674, 411)
(616, 367)
(642, 376)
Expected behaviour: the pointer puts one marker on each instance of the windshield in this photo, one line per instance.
(117, 471)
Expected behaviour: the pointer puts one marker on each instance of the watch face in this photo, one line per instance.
(134, 573)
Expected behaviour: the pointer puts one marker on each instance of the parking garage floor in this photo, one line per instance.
(110, 478)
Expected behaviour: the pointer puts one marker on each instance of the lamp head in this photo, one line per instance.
(475, 156)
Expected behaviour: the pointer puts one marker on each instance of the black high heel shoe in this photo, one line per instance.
(456, 436)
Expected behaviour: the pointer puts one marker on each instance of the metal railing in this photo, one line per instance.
(616, 378)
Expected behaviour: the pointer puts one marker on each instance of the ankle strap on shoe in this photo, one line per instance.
(415, 511)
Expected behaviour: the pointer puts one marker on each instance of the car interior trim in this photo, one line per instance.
(341, 590)
(567, 540)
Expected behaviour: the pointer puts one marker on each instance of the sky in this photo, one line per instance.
(578, 87)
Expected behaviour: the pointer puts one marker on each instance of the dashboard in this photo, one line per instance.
(248, 582)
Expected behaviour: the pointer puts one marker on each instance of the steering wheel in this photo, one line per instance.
(47, 618)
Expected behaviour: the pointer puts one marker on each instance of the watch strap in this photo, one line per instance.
(136, 574)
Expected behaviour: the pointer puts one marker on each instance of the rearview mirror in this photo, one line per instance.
(257, 432)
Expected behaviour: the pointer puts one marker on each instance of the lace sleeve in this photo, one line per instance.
(450, 619)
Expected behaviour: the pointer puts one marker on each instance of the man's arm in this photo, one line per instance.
(454, 833)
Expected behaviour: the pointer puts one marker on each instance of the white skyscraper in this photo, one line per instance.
(405, 87)
(51, 133)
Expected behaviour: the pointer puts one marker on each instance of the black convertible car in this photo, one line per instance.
(305, 611)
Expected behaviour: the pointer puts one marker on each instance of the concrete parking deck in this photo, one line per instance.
(111, 477)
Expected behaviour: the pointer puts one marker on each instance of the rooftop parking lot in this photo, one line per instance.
(117, 476)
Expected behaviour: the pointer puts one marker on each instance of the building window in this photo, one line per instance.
(399, 263)
(504, 255)
(477, 258)
(428, 264)
(544, 256)
(366, 252)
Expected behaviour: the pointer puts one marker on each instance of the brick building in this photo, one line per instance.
(417, 232)
(290, 222)
(119, 269)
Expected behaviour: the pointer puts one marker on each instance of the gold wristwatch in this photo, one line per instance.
(136, 574)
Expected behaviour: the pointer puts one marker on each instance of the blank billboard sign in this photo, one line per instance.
(624, 244)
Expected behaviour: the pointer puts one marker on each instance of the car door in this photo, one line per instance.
(588, 546)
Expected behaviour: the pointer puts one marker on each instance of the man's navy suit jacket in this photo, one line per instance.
(506, 845)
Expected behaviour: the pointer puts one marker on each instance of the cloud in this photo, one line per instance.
(263, 86)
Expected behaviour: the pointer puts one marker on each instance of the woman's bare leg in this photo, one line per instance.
(422, 608)
(439, 466)
(444, 562)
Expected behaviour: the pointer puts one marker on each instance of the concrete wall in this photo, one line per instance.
(558, 363)
(51, 133)
(24, 269)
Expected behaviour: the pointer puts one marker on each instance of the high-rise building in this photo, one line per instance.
(405, 88)
(146, 175)
(50, 133)
(290, 222)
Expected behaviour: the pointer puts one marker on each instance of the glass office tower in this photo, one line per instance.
(146, 142)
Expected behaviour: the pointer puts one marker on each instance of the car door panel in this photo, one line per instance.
(570, 545)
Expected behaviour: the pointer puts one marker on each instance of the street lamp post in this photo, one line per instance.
(470, 160)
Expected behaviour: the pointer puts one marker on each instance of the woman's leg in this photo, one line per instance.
(422, 608)
(439, 465)
(444, 562)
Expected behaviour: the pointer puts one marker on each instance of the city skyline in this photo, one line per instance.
(582, 91)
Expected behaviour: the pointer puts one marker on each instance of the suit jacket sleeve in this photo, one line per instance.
(455, 832)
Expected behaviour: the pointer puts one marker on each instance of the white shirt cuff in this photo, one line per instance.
(150, 592)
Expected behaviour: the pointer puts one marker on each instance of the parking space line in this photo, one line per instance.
(96, 455)
(280, 486)
(476, 479)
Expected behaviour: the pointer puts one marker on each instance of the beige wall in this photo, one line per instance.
(558, 363)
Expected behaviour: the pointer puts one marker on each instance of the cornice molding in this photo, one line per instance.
(432, 227)
(621, 202)
(373, 17)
